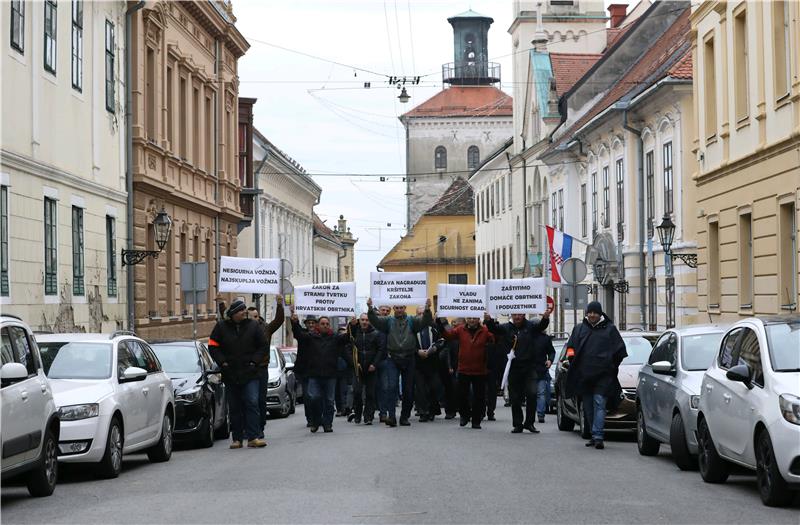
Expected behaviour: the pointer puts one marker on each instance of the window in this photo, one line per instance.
(440, 158)
(583, 210)
(665, 349)
(21, 348)
(594, 202)
(77, 252)
(740, 58)
(561, 210)
(18, 25)
(651, 204)
(110, 68)
(787, 253)
(497, 196)
(746, 260)
(606, 199)
(182, 118)
(652, 304)
(4, 289)
(196, 112)
(50, 18)
(669, 283)
(726, 357)
(620, 200)
(150, 95)
(77, 44)
(709, 88)
(457, 278)
(111, 255)
(553, 210)
(510, 181)
(50, 248)
(473, 157)
(713, 265)
(503, 193)
(781, 47)
(209, 135)
(750, 354)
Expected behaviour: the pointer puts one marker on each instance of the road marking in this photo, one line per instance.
(417, 513)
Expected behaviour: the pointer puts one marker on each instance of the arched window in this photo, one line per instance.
(441, 158)
(473, 157)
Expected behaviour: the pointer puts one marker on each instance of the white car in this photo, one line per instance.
(750, 407)
(113, 398)
(30, 427)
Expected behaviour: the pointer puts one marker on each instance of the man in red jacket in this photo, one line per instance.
(473, 358)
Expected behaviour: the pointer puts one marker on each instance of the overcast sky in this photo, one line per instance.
(320, 114)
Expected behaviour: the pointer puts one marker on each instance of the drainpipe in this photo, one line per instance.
(217, 248)
(129, 156)
(640, 195)
(257, 218)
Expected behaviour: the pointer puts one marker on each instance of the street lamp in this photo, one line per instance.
(162, 225)
(404, 96)
(666, 234)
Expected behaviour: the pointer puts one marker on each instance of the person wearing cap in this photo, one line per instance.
(597, 350)
(263, 366)
(238, 345)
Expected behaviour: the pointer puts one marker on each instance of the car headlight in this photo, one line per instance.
(694, 402)
(191, 395)
(274, 384)
(790, 408)
(76, 412)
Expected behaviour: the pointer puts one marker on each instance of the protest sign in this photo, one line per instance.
(399, 288)
(516, 296)
(337, 299)
(461, 300)
(244, 275)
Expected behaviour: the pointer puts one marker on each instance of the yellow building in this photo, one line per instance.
(441, 243)
(747, 146)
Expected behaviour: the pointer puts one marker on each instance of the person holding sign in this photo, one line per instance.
(370, 350)
(401, 345)
(472, 367)
(531, 354)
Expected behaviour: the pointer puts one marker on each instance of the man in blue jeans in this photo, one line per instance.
(543, 394)
(238, 345)
(382, 384)
(597, 349)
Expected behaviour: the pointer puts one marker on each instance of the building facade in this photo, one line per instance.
(746, 152)
(185, 155)
(328, 251)
(62, 170)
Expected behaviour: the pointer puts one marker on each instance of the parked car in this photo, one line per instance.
(31, 425)
(750, 407)
(559, 340)
(281, 386)
(569, 411)
(201, 411)
(113, 398)
(668, 393)
(290, 353)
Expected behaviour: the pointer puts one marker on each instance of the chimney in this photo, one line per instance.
(618, 13)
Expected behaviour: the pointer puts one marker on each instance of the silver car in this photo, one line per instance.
(281, 387)
(668, 391)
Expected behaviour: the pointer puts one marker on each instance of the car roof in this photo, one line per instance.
(633, 333)
(68, 338)
(778, 319)
(172, 342)
(699, 329)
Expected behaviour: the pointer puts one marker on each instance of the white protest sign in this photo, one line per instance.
(399, 288)
(516, 296)
(243, 275)
(462, 300)
(338, 299)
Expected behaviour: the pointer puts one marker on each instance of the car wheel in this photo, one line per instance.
(713, 468)
(207, 434)
(224, 430)
(564, 423)
(162, 450)
(677, 442)
(42, 480)
(647, 445)
(773, 488)
(585, 427)
(111, 464)
(286, 409)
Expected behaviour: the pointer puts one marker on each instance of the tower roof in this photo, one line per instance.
(477, 101)
(470, 14)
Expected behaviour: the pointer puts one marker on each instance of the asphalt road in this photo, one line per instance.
(428, 473)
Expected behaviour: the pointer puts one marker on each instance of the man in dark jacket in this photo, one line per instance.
(382, 384)
(426, 374)
(310, 323)
(369, 352)
(448, 373)
(598, 349)
(238, 346)
(533, 353)
(321, 350)
(401, 346)
(263, 367)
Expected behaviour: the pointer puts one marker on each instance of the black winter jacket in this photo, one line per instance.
(320, 354)
(599, 350)
(533, 346)
(237, 349)
(371, 347)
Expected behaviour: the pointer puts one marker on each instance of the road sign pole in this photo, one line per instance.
(194, 297)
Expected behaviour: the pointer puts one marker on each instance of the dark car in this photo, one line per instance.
(569, 410)
(201, 412)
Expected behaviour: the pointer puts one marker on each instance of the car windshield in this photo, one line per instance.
(273, 358)
(699, 350)
(638, 349)
(178, 359)
(48, 351)
(81, 361)
(289, 357)
(784, 346)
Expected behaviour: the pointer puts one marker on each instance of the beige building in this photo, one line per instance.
(62, 178)
(185, 156)
(747, 149)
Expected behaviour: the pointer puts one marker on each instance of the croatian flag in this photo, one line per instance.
(560, 251)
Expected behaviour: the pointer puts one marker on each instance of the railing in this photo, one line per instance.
(474, 73)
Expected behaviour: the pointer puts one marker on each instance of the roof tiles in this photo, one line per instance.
(476, 101)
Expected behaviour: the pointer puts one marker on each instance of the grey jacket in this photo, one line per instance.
(401, 340)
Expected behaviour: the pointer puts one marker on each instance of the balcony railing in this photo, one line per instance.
(471, 74)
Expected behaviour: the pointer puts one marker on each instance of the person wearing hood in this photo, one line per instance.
(370, 351)
(473, 359)
(401, 346)
(597, 349)
(533, 354)
(237, 345)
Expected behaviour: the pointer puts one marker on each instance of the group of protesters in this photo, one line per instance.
(425, 361)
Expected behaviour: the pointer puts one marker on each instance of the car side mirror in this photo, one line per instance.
(12, 373)
(663, 367)
(133, 373)
(741, 374)
(289, 366)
